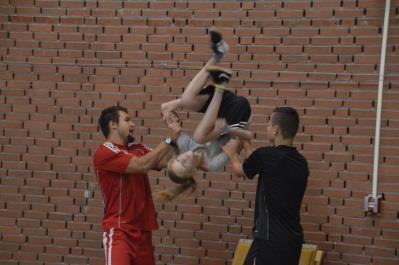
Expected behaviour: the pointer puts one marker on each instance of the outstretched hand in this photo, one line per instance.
(173, 122)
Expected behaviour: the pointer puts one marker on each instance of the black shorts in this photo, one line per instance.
(233, 108)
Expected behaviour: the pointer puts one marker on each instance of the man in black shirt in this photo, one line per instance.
(282, 177)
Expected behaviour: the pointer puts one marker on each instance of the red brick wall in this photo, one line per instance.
(63, 61)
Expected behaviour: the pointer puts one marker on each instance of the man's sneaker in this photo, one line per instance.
(219, 47)
(219, 75)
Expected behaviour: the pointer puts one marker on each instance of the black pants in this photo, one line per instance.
(263, 252)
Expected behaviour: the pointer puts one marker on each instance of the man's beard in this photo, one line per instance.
(130, 139)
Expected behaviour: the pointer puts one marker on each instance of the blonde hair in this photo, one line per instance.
(185, 182)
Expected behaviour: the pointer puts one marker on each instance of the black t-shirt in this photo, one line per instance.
(283, 174)
(233, 108)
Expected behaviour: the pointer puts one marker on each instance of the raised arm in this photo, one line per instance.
(232, 150)
(165, 159)
(150, 160)
(170, 106)
(153, 159)
(206, 129)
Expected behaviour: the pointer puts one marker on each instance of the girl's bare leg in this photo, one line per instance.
(191, 100)
(205, 130)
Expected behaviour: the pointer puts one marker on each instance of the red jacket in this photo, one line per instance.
(127, 197)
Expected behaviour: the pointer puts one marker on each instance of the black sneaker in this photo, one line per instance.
(219, 75)
(219, 47)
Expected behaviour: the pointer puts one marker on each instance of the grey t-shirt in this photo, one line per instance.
(216, 158)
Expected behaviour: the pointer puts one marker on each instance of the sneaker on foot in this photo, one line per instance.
(219, 47)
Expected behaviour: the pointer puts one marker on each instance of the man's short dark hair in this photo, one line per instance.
(287, 119)
(107, 115)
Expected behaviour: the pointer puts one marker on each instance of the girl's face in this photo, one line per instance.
(185, 163)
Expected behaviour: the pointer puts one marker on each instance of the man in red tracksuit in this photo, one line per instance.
(121, 170)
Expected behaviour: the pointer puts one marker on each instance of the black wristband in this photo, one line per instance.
(170, 142)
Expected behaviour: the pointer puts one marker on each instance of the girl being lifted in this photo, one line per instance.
(226, 115)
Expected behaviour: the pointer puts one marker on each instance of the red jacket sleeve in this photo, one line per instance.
(139, 149)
